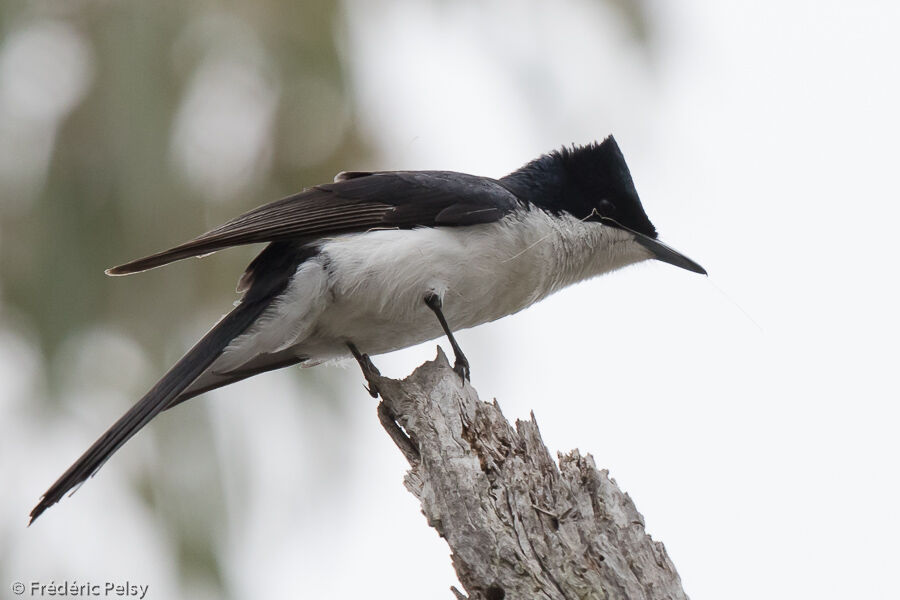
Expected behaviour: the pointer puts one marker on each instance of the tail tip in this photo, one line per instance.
(38, 510)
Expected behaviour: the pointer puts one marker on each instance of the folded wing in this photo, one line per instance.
(396, 199)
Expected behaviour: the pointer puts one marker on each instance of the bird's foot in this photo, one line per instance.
(370, 371)
(461, 366)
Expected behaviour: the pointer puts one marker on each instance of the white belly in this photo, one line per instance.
(378, 282)
(369, 288)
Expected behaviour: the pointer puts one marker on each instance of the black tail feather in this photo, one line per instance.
(261, 364)
(185, 371)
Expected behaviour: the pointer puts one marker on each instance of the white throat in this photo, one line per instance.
(583, 249)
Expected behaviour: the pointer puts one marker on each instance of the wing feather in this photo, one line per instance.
(360, 202)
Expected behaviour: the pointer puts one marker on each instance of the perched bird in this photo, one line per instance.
(379, 261)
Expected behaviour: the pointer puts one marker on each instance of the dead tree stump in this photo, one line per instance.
(519, 525)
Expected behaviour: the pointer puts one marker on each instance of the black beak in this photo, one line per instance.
(666, 254)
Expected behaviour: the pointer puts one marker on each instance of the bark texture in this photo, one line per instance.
(519, 524)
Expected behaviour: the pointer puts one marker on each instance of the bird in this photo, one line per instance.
(377, 261)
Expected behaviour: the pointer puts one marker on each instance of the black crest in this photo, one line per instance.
(589, 182)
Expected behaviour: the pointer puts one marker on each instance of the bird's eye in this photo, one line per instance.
(606, 208)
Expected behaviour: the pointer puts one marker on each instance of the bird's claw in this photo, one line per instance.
(370, 371)
(461, 366)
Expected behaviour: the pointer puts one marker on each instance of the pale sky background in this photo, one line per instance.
(752, 416)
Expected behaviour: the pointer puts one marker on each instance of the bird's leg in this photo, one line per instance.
(461, 366)
(370, 371)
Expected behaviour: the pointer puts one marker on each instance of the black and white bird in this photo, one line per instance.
(379, 261)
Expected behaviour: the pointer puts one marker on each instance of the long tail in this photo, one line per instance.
(185, 371)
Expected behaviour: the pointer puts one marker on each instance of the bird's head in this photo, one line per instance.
(593, 184)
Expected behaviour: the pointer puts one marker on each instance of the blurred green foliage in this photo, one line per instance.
(112, 192)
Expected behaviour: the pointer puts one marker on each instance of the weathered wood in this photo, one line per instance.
(519, 525)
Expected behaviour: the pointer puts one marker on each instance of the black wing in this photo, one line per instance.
(354, 202)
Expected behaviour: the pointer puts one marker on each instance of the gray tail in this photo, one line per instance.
(185, 371)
